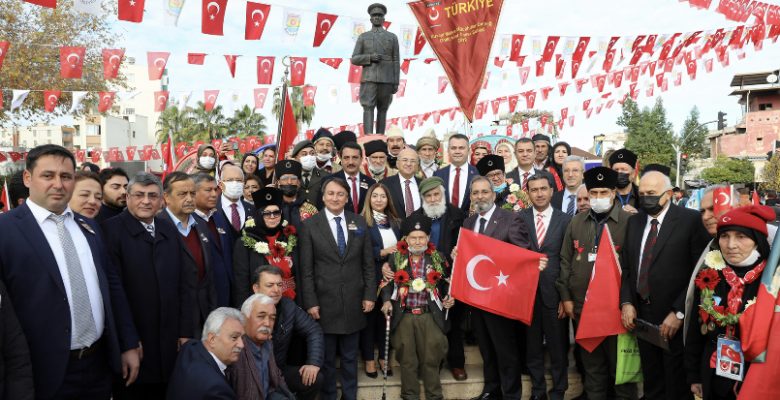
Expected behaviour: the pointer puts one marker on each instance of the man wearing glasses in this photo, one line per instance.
(404, 187)
(231, 202)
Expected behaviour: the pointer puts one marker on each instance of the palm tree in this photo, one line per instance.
(177, 122)
(247, 122)
(302, 114)
(208, 125)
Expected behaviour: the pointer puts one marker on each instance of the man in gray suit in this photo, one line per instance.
(547, 226)
(338, 283)
(377, 51)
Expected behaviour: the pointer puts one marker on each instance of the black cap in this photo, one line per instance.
(377, 5)
(540, 136)
(623, 156)
(288, 167)
(343, 137)
(657, 167)
(490, 162)
(267, 196)
(322, 133)
(416, 222)
(600, 177)
(375, 146)
(302, 145)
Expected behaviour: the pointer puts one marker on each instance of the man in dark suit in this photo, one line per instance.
(573, 174)
(147, 252)
(663, 244)
(339, 283)
(457, 176)
(549, 324)
(623, 161)
(54, 263)
(197, 252)
(114, 184)
(16, 376)
(351, 157)
(491, 166)
(525, 153)
(232, 203)
(404, 186)
(220, 234)
(495, 334)
(304, 153)
(200, 368)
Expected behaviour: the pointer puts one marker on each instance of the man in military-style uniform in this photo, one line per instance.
(377, 51)
(305, 154)
(295, 208)
(578, 254)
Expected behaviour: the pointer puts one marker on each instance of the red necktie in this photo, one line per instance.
(456, 188)
(540, 231)
(354, 195)
(408, 201)
(235, 218)
(525, 181)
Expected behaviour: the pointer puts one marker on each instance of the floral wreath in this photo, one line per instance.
(517, 199)
(280, 248)
(434, 271)
(706, 280)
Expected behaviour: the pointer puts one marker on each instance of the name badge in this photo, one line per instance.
(220, 231)
(352, 227)
(591, 257)
(730, 360)
(86, 226)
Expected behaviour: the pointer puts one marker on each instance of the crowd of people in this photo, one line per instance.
(240, 282)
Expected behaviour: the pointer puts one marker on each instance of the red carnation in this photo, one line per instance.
(289, 230)
(704, 315)
(403, 247)
(433, 276)
(707, 279)
(289, 293)
(431, 248)
(277, 251)
(401, 277)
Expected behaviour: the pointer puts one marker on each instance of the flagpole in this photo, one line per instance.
(452, 273)
(282, 106)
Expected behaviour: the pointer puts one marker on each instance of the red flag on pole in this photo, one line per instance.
(131, 10)
(213, 16)
(112, 59)
(495, 276)
(256, 15)
(324, 24)
(600, 316)
(465, 59)
(755, 200)
(71, 61)
(289, 128)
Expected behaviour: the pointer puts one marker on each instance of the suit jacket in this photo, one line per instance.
(396, 188)
(377, 246)
(557, 201)
(222, 250)
(681, 239)
(245, 378)
(451, 222)
(197, 376)
(35, 287)
(516, 176)
(154, 277)
(551, 247)
(312, 191)
(204, 291)
(503, 225)
(16, 376)
(338, 285)
(364, 182)
(444, 174)
(293, 322)
(248, 208)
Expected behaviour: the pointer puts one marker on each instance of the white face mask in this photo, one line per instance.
(207, 162)
(233, 190)
(601, 205)
(308, 162)
(323, 157)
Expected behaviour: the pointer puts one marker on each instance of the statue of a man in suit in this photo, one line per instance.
(377, 52)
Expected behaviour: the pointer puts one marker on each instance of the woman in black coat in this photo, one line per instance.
(16, 377)
(384, 228)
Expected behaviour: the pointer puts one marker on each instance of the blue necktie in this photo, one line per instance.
(570, 206)
(340, 239)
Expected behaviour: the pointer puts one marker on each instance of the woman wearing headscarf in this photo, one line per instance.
(207, 159)
(554, 166)
(727, 283)
(506, 149)
(265, 239)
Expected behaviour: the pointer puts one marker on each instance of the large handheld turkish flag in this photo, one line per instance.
(495, 276)
(601, 312)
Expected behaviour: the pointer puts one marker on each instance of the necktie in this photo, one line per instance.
(456, 188)
(540, 230)
(84, 329)
(150, 229)
(643, 283)
(570, 207)
(340, 239)
(482, 223)
(306, 179)
(408, 202)
(525, 181)
(354, 195)
(235, 219)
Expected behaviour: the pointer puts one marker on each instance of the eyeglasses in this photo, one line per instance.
(141, 195)
(272, 214)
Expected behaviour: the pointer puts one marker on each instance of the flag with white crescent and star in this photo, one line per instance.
(324, 24)
(71, 61)
(130, 10)
(297, 71)
(256, 15)
(213, 16)
(112, 59)
(495, 276)
(155, 63)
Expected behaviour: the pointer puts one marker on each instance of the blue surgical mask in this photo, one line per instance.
(500, 188)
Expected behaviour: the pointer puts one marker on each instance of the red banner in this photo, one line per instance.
(265, 70)
(231, 62)
(260, 95)
(71, 61)
(324, 24)
(50, 99)
(210, 99)
(461, 35)
(213, 16)
(155, 63)
(256, 15)
(289, 128)
(106, 101)
(297, 71)
(112, 58)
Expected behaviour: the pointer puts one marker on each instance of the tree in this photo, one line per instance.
(649, 133)
(35, 35)
(177, 122)
(693, 137)
(729, 170)
(303, 114)
(771, 175)
(208, 125)
(247, 122)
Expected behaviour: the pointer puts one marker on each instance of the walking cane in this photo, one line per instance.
(387, 356)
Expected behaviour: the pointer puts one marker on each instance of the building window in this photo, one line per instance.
(764, 106)
(129, 111)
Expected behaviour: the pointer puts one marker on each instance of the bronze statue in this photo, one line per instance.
(377, 51)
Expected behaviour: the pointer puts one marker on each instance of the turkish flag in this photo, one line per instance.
(50, 99)
(540, 67)
(495, 276)
(530, 99)
(562, 87)
(106, 101)
(512, 102)
(130, 150)
(354, 74)
(479, 111)
(545, 92)
(524, 124)
(575, 66)
(231, 62)
(213, 16)
(298, 71)
(582, 45)
(405, 65)
(667, 47)
(96, 153)
(196, 58)
(585, 104)
(3, 51)
(401, 88)
(112, 59)
(355, 92)
(549, 48)
(609, 58)
(289, 127)
(564, 112)
(617, 79)
(324, 24)
(722, 200)
(131, 10)
(256, 15)
(260, 95)
(419, 39)
(443, 81)
(44, 3)
(265, 70)
(155, 63)
(210, 99)
(160, 100)
(517, 45)
(524, 72)
(71, 61)
(498, 62)
(81, 155)
(332, 62)
(600, 316)
(309, 92)
(560, 63)
(690, 64)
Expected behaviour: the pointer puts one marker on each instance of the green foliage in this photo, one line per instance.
(649, 133)
(193, 124)
(246, 122)
(729, 170)
(302, 114)
(771, 175)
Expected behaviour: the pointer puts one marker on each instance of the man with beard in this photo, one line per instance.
(295, 208)
(323, 147)
(492, 167)
(304, 153)
(541, 150)
(623, 161)
(427, 147)
(376, 155)
(114, 182)
(566, 199)
(395, 143)
(404, 186)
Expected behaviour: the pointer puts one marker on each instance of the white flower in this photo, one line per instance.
(514, 187)
(281, 244)
(418, 285)
(714, 260)
(261, 247)
(284, 223)
(750, 303)
(250, 223)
